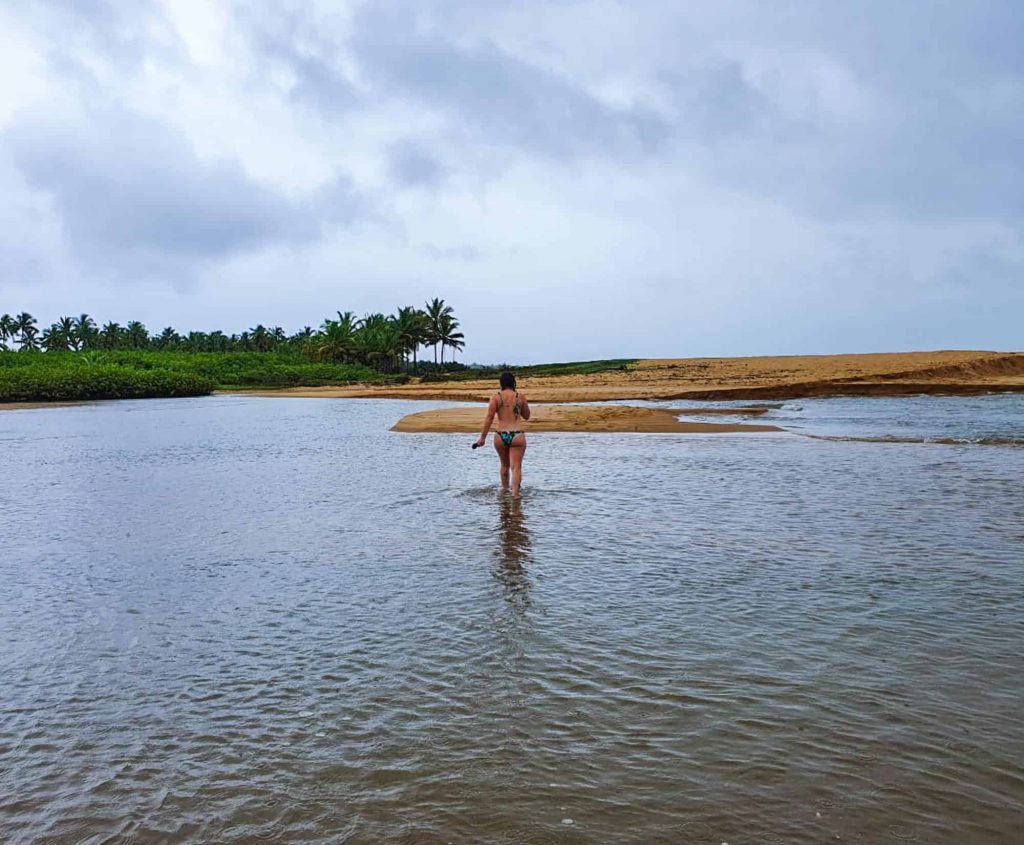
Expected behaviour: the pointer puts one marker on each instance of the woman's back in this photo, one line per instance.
(508, 413)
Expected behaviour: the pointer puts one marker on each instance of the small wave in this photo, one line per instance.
(937, 441)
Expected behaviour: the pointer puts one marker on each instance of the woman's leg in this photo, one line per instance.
(515, 457)
(502, 451)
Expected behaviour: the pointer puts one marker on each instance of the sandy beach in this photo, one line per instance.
(777, 377)
(598, 418)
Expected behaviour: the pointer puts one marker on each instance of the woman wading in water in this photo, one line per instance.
(511, 409)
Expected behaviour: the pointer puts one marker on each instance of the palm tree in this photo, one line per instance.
(261, 339)
(84, 332)
(8, 327)
(27, 341)
(196, 341)
(136, 335)
(24, 322)
(218, 341)
(167, 339)
(377, 342)
(110, 335)
(436, 310)
(411, 324)
(301, 339)
(336, 340)
(54, 338)
(66, 329)
(450, 336)
(423, 334)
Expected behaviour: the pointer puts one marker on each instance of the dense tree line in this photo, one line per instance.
(385, 342)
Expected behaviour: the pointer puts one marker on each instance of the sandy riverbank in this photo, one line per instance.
(28, 406)
(599, 418)
(779, 377)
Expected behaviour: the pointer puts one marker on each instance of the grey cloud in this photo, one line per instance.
(413, 165)
(926, 161)
(465, 252)
(928, 146)
(715, 106)
(288, 38)
(924, 151)
(496, 96)
(119, 33)
(132, 190)
(719, 103)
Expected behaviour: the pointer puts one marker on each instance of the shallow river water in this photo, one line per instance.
(235, 619)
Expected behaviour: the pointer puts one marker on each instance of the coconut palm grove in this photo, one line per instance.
(77, 358)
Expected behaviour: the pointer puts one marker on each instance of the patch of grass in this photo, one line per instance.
(571, 368)
(69, 380)
(248, 369)
(136, 374)
(577, 368)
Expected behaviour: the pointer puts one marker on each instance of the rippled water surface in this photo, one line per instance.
(234, 619)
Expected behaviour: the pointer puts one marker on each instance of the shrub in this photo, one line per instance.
(62, 384)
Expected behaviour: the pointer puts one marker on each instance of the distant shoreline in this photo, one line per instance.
(963, 373)
(944, 373)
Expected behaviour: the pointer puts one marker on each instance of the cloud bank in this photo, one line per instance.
(578, 179)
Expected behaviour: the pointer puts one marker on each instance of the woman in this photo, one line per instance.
(510, 407)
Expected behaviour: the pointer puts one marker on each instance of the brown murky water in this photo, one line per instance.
(229, 620)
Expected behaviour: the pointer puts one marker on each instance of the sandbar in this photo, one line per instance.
(580, 418)
(955, 372)
(29, 406)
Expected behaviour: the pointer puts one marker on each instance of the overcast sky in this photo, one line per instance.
(577, 179)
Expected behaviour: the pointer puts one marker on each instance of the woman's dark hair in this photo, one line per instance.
(508, 381)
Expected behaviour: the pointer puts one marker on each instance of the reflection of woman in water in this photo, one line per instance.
(511, 409)
(513, 535)
(513, 553)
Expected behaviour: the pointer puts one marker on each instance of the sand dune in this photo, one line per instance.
(778, 377)
(609, 418)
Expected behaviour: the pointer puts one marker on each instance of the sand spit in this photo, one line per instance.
(779, 377)
(30, 406)
(600, 418)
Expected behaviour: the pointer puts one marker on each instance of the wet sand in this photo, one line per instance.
(598, 418)
(779, 377)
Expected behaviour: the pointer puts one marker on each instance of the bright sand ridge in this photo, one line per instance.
(609, 418)
(779, 377)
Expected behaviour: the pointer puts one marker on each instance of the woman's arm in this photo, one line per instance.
(492, 406)
(524, 407)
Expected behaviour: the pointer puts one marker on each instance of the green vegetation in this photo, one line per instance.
(462, 373)
(251, 369)
(74, 358)
(377, 341)
(577, 368)
(54, 378)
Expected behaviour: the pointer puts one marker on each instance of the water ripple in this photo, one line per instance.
(228, 620)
